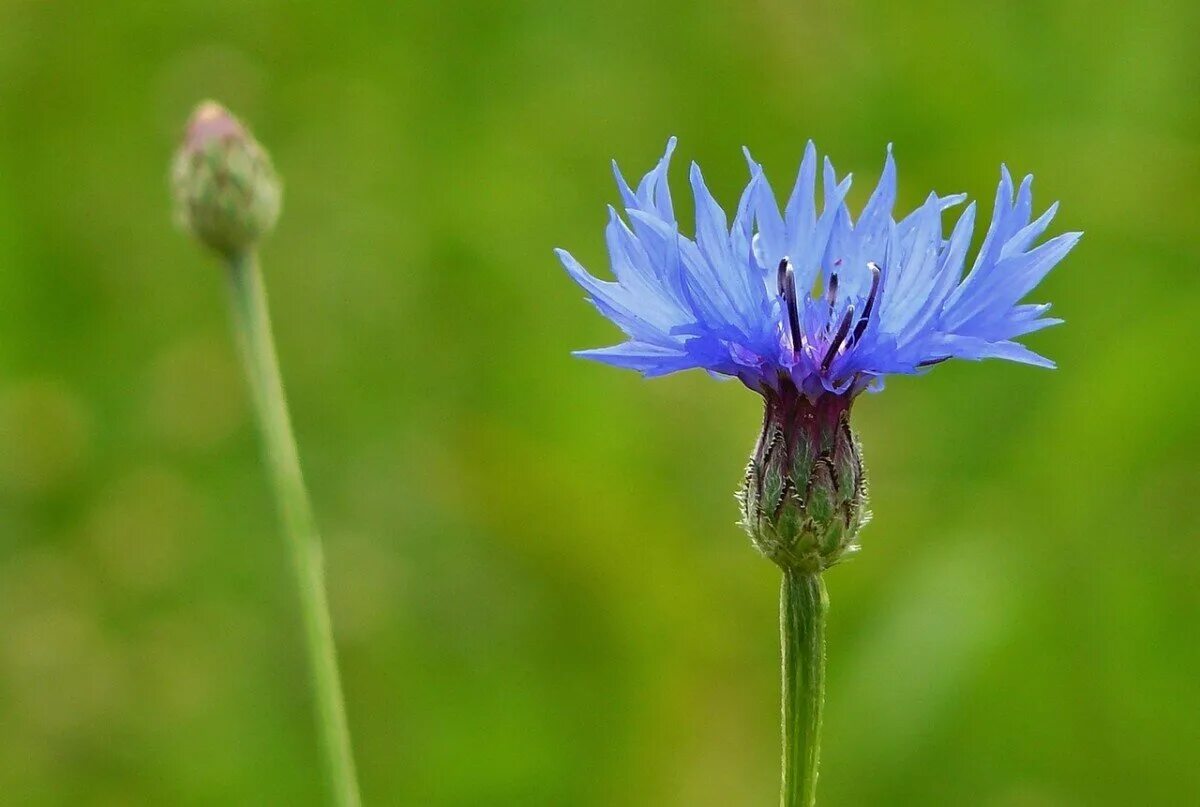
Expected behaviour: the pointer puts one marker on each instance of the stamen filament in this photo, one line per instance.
(861, 327)
(838, 339)
(831, 293)
(787, 290)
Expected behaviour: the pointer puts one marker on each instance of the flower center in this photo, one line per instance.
(843, 338)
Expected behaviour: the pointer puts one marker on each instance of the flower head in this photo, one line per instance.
(817, 300)
(810, 307)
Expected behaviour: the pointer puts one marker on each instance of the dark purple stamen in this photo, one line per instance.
(861, 327)
(787, 290)
(838, 339)
(831, 292)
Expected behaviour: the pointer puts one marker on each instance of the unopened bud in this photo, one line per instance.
(805, 494)
(227, 193)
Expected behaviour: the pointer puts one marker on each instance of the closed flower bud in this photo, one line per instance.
(804, 498)
(227, 193)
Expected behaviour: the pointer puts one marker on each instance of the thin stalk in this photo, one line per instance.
(803, 604)
(252, 329)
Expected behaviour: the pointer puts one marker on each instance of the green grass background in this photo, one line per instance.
(539, 591)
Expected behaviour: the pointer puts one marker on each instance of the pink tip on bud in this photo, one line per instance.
(211, 122)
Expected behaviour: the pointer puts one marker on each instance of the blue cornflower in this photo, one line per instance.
(814, 300)
(809, 308)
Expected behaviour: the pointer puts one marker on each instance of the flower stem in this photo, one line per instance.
(803, 604)
(252, 328)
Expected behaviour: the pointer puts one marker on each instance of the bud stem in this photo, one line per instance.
(252, 328)
(803, 604)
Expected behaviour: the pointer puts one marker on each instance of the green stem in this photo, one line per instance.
(803, 604)
(252, 328)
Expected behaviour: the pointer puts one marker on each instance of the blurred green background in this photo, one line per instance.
(539, 591)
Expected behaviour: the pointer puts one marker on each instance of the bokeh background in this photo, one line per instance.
(539, 591)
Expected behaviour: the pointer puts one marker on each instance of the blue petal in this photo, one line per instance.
(650, 360)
